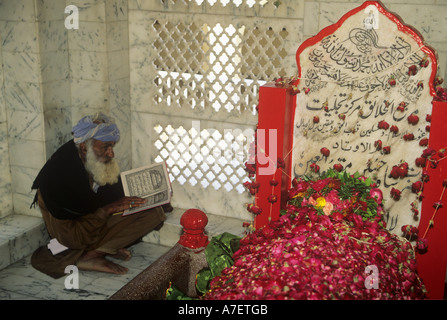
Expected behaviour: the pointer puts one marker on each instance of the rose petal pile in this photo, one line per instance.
(312, 253)
(441, 93)
(399, 171)
(343, 195)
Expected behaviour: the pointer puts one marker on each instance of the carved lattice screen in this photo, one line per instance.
(218, 66)
(209, 67)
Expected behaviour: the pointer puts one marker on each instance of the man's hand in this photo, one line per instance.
(124, 204)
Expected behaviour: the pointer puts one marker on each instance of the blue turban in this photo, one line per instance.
(98, 127)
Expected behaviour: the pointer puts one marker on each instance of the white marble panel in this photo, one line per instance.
(88, 65)
(24, 96)
(123, 150)
(87, 96)
(218, 202)
(116, 10)
(120, 96)
(2, 92)
(91, 36)
(3, 117)
(22, 203)
(311, 12)
(106, 285)
(48, 289)
(5, 259)
(429, 20)
(52, 35)
(220, 224)
(21, 67)
(50, 10)
(330, 13)
(27, 153)
(141, 31)
(141, 72)
(119, 65)
(57, 123)
(27, 241)
(17, 10)
(22, 281)
(23, 286)
(19, 36)
(23, 179)
(170, 234)
(5, 174)
(143, 5)
(25, 234)
(6, 207)
(117, 36)
(142, 147)
(54, 65)
(26, 125)
(56, 94)
(89, 10)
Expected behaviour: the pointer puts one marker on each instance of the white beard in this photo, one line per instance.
(103, 173)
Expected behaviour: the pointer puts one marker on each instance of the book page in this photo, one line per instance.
(150, 182)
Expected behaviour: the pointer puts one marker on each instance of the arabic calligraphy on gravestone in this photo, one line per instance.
(364, 95)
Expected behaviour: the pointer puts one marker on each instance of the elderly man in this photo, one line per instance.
(79, 193)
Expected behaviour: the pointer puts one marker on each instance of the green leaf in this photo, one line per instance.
(173, 293)
(203, 280)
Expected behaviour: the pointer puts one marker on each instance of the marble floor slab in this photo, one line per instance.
(20, 235)
(20, 281)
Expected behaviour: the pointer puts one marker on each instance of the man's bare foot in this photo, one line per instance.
(122, 254)
(96, 261)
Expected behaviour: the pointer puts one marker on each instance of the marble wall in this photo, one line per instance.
(22, 95)
(6, 207)
(51, 76)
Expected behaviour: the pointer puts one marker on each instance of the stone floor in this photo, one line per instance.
(20, 281)
(20, 235)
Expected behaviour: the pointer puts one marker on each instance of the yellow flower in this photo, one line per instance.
(300, 194)
(321, 202)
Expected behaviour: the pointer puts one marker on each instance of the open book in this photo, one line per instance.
(150, 182)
